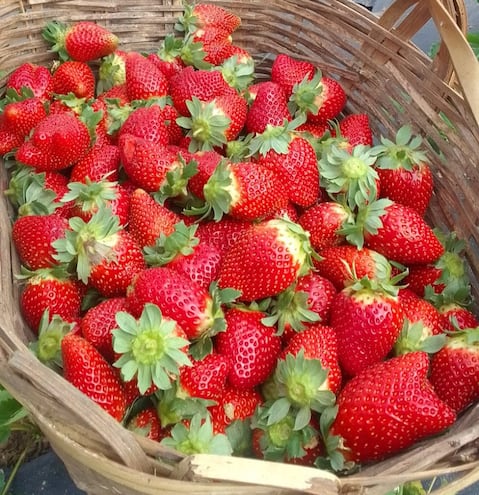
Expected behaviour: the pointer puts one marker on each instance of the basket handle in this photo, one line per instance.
(466, 65)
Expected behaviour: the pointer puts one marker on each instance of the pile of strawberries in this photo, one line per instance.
(232, 265)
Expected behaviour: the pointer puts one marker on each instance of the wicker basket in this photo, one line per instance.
(385, 75)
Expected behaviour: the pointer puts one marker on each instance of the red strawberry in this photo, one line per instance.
(455, 369)
(86, 369)
(74, 77)
(20, 117)
(146, 423)
(149, 219)
(293, 158)
(57, 142)
(222, 234)
(49, 289)
(321, 98)
(266, 259)
(404, 236)
(143, 78)
(323, 222)
(83, 41)
(367, 317)
(404, 170)
(457, 316)
(251, 347)
(33, 236)
(406, 409)
(147, 123)
(98, 323)
(288, 71)
(205, 15)
(269, 107)
(34, 77)
(356, 129)
(101, 162)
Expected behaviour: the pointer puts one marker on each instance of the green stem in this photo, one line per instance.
(15, 469)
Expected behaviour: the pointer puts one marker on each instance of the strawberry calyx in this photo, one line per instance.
(467, 338)
(404, 153)
(206, 125)
(306, 96)
(302, 387)
(167, 247)
(87, 244)
(176, 180)
(150, 348)
(415, 336)
(239, 149)
(197, 438)
(351, 174)
(90, 195)
(238, 73)
(111, 72)
(55, 33)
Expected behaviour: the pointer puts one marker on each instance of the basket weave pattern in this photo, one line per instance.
(384, 75)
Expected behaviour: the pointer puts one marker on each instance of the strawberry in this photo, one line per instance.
(149, 219)
(321, 98)
(57, 142)
(404, 236)
(269, 107)
(251, 347)
(147, 123)
(288, 71)
(101, 162)
(323, 221)
(356, 129)
(146, 423)
(233, 405)
(83, 41)
(37, 78)
(214, 122)
(266, 259)
(293, 158)
(406, 409)
(99, 321)
(101, 253)
(367, 317)
(151, 349)
(206, 378)
(20, 117)
(206, 16)
(74, 77)
(204, 84)
(222, 54)
(33, 236)
(455, 369)
(404, 171)
(52, 289)
(458, 317)
(244, 190)
(143, 78)
(86, 369)
(111, 72)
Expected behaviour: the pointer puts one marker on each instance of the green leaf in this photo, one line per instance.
(278, 410)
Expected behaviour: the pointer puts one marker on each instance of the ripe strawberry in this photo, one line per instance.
(152, 348)
(204, 84)
(74, 77)
(406, 409)
(83, 41)
(147, 123)
(206, 378)
(52, 289)
(234, 404)
(288, 71)
(342, 264)
(404, 170)
(86, 369)
(458, 317)
(146, 423)
(252, 347)
(101, 162)
(143, 78)
(455, 369)
(318, 342)
(99, 321)
(367, 317)
(33, 236)
(244, 190)
(37, 78)
(321, 98)
(293, 158)
(356, 129)
(269, 107)
(266, 259)
(218, 54)
(404, 236)
(57, 142)
(323, 221)
(101, 253)
(207, 162)
(205, 15)
(149, 219)
(214, 122)
(20, 117)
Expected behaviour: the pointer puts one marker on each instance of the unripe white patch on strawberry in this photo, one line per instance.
(293, 244)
